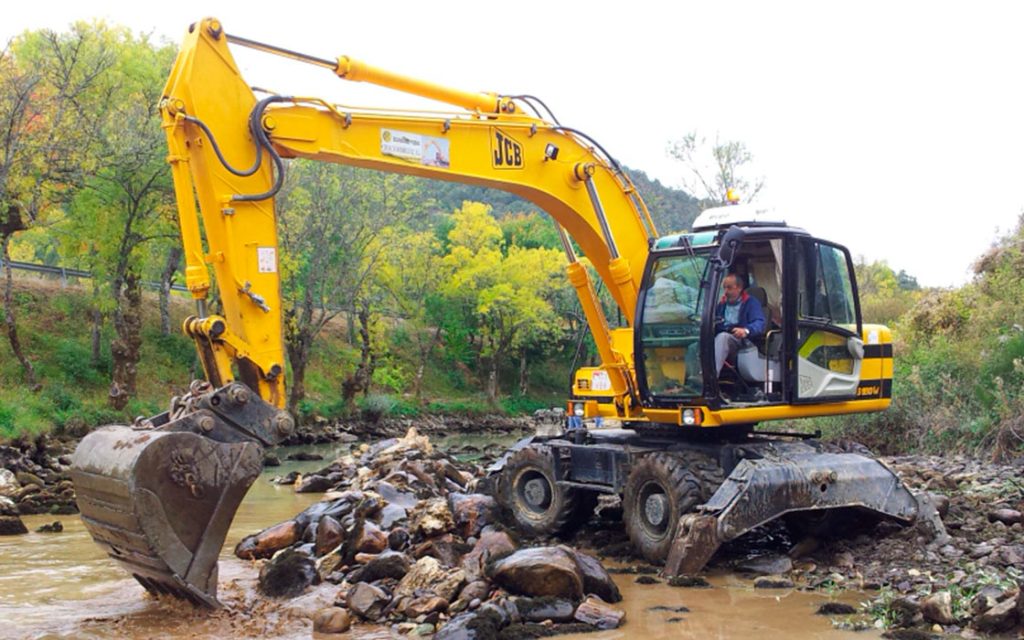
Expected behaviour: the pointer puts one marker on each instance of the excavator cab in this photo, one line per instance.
(812, 346)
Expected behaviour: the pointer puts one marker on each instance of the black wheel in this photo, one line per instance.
(659, 490)
(538, 505)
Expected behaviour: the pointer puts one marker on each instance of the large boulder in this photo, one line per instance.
(540, 571)
(287, 575)
(596, 579)
(938, 607)
(546, 608)
(476, 625)
(998, 619)
(331, 620)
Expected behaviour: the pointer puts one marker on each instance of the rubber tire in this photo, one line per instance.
(559, 512)
(667, 475)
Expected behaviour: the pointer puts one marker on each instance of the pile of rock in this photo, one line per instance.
(964, 578)
(34, 479)
(409, 545)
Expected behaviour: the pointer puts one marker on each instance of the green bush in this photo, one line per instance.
(522, 405)
(75, 362)
(6, 421)
(376, 406)
(459, 407)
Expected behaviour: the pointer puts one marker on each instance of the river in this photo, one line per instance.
(61, 585)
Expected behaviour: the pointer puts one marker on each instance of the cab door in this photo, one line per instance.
(829, 350)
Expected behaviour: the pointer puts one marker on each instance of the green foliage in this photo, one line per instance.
(7, 424)
(460, 406)
(522, 405)
(75, 362)
(376, 406)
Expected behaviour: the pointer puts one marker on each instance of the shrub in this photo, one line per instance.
(375, 406)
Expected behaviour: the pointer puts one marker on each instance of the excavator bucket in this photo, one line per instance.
(160, 499)
(789, 478)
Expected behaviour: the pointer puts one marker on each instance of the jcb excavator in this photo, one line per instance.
(678, 442)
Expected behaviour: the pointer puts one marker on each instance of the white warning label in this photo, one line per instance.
(266, 259)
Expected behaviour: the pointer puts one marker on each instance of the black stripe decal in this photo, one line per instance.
(878, 350)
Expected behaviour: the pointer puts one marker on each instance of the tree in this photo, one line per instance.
(45, 80)
(331, 217)
(126, 203)
(712, 169)
(509, 291)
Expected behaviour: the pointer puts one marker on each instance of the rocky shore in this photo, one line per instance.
(409, 545)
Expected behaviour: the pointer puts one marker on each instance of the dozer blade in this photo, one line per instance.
(160, 503)
(760, 490)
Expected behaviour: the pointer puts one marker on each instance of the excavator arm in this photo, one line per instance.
(229, 147)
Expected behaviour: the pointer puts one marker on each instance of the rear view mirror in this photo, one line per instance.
(731, 240)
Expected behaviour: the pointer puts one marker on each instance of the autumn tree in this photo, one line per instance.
(713, 168)
(46, 81)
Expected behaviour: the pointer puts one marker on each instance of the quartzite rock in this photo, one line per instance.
(999, 618)
(600, 614)
(389, 564)
(490, 545)
(427, 576)
(9, 485)
(472, 512)
(331, 620)
(268, 542)
(540, 571)
(434, 518)
(938, 608)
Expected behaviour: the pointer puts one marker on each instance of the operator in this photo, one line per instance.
(739, 317)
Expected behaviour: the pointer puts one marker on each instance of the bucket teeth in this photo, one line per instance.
(160, 503)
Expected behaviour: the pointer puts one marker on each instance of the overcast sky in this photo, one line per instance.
(895, 128)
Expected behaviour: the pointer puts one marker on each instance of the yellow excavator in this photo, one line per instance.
(654, 423)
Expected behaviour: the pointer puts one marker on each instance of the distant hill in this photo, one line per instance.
(672, 209)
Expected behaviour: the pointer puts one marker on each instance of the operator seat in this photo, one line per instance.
(758, 361)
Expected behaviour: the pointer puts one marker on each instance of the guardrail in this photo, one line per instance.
(64, 273)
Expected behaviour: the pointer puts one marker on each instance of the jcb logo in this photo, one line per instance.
(506, 153)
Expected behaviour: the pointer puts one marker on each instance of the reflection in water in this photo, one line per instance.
(62, 586)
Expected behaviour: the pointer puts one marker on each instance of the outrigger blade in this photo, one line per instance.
(160, 497)
(760, 490)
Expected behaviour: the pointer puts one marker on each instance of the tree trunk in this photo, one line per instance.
(359, 381)
(166, 280)
(492, 382)
(524, 374)
(10, 322)
(96, 333)
(126, 346)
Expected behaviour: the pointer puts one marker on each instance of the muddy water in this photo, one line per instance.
(63, 586)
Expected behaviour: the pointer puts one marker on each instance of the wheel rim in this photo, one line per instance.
(654, 510)
(534, 492)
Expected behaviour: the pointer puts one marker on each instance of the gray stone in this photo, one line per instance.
(11, 526)
(287, 575)
(367, 601)
(9, 485)
(541, 609)
(1002, 617)
(773, 582)
(389, 564)
(427, 576)
(769, 564)
(1006, 516)
(474, 625)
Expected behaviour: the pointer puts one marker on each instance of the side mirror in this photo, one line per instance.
(732, 239)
